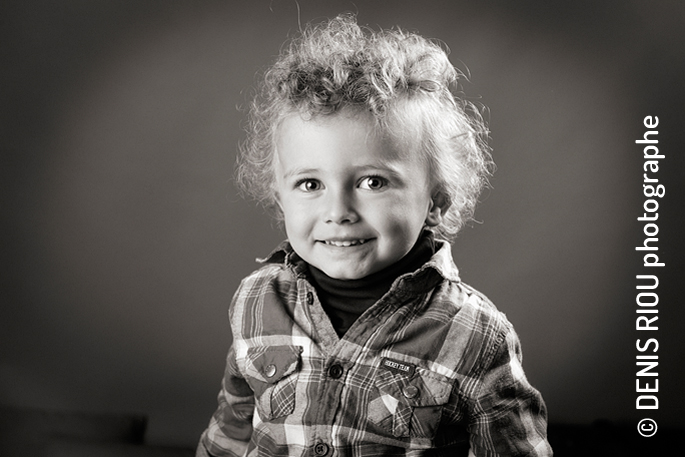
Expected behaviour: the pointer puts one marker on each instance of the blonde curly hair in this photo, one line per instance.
(404, 80)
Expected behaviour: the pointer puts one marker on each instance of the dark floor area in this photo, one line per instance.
(31, 432)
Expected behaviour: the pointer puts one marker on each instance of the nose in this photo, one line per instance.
(340, 208)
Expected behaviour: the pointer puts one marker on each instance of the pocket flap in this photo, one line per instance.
(268, 365)
(423, 388)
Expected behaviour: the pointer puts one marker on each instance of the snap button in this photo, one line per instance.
(335, 371)
(310, 298)
(270, 371)
(321, 449)
(410, 391)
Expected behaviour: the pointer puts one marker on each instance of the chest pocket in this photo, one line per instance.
(409, 406)
(272, 374)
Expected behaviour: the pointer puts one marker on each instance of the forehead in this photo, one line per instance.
(352, 138)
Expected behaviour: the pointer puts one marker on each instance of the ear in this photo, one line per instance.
(439, 205)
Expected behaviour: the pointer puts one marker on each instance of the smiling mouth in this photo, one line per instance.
(344, 243)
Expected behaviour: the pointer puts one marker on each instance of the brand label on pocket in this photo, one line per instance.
(398, 367)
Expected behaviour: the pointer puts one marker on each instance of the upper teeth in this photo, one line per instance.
(345, 243)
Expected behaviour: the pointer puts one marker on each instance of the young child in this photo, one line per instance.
(357, 337)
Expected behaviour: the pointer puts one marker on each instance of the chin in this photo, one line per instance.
(344, 275)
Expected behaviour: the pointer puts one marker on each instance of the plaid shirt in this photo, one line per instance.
(432, 368)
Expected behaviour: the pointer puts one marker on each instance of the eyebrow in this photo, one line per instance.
(362, 168)
(299, 171)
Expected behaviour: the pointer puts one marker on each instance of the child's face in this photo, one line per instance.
(352, 205)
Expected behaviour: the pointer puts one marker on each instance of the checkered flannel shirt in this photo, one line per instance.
(432, 368)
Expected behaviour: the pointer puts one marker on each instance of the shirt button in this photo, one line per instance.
(321, 449)
(310, 298)
(335, 371)
(410, 391)
(270, 371)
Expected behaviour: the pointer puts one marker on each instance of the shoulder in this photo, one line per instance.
(470, 307)
(475, 320)
(477, 329)
(266, 274)
(270, 278)
(477, 305)
(452, 292)
(265, 302)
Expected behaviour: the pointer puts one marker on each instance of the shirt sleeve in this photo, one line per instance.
(509, 416)
(230, 427)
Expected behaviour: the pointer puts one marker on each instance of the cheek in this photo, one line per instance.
(298, 220)
(404, 215)
(293, 225)
(395, 226)
(289, 206)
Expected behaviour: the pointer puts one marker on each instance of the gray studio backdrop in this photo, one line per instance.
(124, 238)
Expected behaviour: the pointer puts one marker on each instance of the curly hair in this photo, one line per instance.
(404, 80)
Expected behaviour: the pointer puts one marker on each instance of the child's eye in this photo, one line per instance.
(373, 183)
(309, 185)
